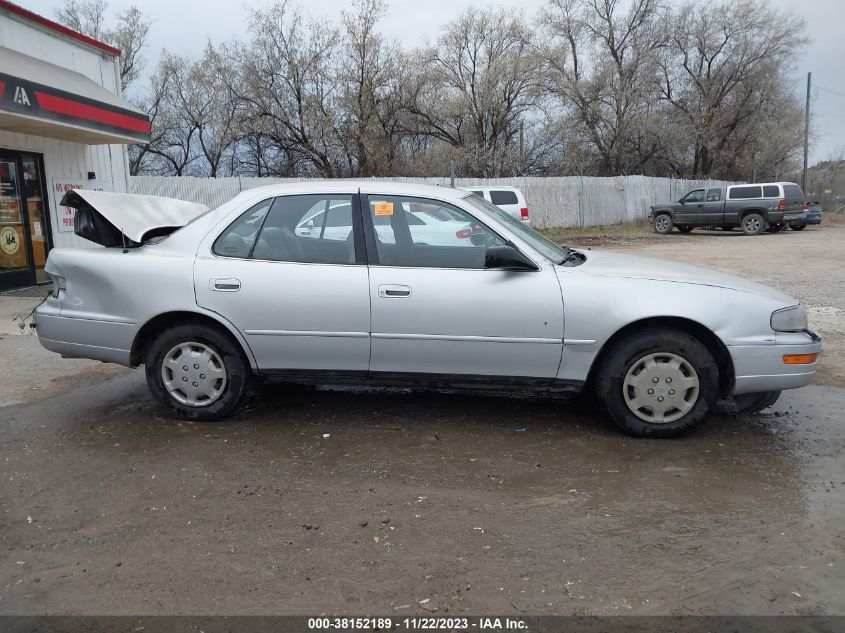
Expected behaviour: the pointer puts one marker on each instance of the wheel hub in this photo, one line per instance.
(194, 374)
(661, 388)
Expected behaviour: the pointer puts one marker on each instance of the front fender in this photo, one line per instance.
(597, 307)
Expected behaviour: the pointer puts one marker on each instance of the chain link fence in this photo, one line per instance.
(566, 201)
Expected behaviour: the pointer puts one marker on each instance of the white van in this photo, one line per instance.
(509, 199)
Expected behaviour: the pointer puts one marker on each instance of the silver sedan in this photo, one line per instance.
(213, 301)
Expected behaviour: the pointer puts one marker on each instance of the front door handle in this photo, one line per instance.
(225, 285)
(389, 291)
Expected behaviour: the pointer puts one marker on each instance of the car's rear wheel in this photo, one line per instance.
(198, 372)
(797, 227)
(755, 402)
(753, 224)
(663, 224)
(658, 383)
(685, 229)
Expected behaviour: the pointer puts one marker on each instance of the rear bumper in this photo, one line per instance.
(794, 217)
(760, 368)
(107, 341)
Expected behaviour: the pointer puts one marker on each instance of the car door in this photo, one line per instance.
(292, 278)
(690, 211)
(436, 311)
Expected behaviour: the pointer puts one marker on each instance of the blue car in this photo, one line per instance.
(812, 215)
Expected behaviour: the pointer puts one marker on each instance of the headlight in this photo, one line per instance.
(793, 319)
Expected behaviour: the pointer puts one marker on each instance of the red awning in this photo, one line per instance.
(47, 100)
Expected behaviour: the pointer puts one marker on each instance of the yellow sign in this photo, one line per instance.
(383, 208)
(9, 240)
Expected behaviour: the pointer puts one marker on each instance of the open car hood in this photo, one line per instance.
(126, 219)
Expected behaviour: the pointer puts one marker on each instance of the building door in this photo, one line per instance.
(24, 221)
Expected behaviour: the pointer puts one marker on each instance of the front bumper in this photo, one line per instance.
(759, 368)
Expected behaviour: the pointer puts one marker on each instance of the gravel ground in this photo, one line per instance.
(402, 502)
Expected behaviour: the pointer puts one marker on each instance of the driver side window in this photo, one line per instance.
(420, 232)
(695, 196)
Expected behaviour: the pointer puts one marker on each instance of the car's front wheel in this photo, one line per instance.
(197, 372)
(659, 383)
(663, 224)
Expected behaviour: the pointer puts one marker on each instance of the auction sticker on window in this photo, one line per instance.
(383, 208)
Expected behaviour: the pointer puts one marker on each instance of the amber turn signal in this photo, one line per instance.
(799, 359)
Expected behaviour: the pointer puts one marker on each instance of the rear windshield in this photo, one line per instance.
(503, 197)
(793, 192)
(743, 193)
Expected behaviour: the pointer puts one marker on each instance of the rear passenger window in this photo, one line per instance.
(744, 193)
(503, 197)
(311, 229)
(793, 192)
(771, 191)
(714, 195)
(239, 238)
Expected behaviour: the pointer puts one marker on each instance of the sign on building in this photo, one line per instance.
(61, 186)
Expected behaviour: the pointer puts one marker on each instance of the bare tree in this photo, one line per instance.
(602, 63)
(475, 86)
(369, 102)
(722, 71)
(287, 76)
(129, 33)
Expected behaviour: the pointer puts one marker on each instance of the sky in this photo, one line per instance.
(184, 27)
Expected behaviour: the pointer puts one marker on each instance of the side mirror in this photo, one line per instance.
(681, 201)
(507, 258)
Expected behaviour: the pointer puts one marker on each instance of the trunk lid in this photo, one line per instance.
(126, 219)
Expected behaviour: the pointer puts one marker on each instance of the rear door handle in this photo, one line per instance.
(390, 291)
(225, 285)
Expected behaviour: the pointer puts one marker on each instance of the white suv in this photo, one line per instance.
(509, 199)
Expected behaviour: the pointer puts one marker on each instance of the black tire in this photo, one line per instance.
(663, 223)
(685, 229)
(755, 402)
(234, 387)
(630, 352)
(797, 227)
(753, 224)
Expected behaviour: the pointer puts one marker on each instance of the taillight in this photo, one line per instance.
(463, 234)
(806, 207)
(523, 213)
(782, 205)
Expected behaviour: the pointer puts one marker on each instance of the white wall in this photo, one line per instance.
(65, 159)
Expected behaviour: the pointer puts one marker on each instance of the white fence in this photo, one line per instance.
(554, 201)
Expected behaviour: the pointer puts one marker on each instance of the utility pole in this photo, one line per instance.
(521, 148)
(806, 135)
(452, 173)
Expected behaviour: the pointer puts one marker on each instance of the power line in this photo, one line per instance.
(841, 94)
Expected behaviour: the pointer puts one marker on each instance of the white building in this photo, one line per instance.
(63, 124)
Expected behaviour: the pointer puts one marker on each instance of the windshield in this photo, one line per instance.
(543, 244)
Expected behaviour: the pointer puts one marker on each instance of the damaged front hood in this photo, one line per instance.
(126, 219)
(637, 267)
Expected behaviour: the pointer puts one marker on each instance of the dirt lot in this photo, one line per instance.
(421, 503)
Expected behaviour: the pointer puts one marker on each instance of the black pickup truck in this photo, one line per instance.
(769, 206)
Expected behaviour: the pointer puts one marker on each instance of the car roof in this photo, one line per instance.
(488, 187)
(779, 182)
(365, 186)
